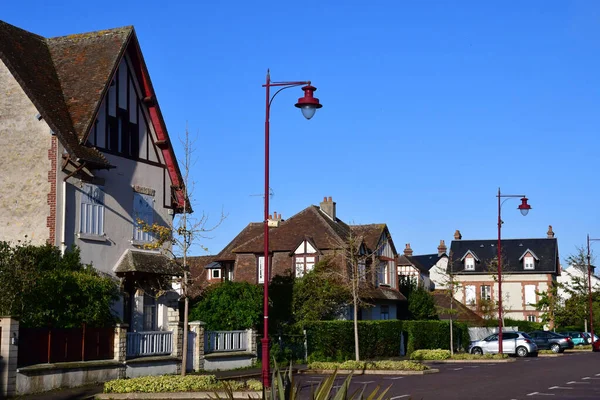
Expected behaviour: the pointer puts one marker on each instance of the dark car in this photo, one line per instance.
(547, 340)
(596, 346)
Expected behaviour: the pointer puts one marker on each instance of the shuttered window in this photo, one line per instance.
(143, 209)
(91, 216)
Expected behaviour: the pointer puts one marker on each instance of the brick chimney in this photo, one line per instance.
(457, 235)
(328, 207)
(442, 248)
(550, 232)
(408, 251)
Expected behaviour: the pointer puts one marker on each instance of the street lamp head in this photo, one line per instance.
(524, 207)
(308, 104)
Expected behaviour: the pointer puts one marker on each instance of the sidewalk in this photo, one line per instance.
(88, 392)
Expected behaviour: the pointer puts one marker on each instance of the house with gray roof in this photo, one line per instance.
(419, 269)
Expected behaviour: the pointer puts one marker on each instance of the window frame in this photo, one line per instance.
(469, 264)
(384, 315)
(485, 292)
(528, 266)
(92, 197)
(138, 234)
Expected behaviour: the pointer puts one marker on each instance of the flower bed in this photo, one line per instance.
(176, 383)
(369, 365)
(439, 354)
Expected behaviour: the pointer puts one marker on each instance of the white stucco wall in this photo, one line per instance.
(570, 275)
(24, 145)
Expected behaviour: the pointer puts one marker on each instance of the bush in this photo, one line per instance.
(437, 354)
(376, 365)
(468, 356)
(176, 383)
(334, 340)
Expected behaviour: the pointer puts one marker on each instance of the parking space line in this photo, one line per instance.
(399, 397)
(587, 377)
(394, 378)
(597, 374)
(456, 369)
(540, 394)
(364, 383)
(575, 383)
(559, 387)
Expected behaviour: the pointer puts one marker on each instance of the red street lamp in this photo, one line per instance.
(524, 208)
(308, 105)
(589, 267)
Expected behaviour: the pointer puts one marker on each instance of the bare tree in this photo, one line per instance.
(183, 232)
(450, 286)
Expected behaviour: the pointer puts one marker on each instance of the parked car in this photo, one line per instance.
(588, 337)
(518, 343)
(578, 338)
(547, 340)
(596, 345)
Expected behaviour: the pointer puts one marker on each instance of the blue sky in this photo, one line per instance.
(428, 108)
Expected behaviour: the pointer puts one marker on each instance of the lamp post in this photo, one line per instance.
(524, 208)
(308, 104)
(589, 268)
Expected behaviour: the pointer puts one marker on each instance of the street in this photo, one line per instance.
(570, 376)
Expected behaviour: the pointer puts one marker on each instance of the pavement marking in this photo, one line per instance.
(597, 374)
(456, 369)
(587, 377)
(399, 397)
(540, 394)
(473, 366)
(559, 387)
(394, 378)
(364, 383)
(581, 383)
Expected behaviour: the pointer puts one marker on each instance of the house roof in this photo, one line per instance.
(383, 293)
(462, 313)
(197, 266)
(310, 222)
(512, 249)
(148, 262)
(67, 77)
(423, 263)
(371, 235)
(251, 231)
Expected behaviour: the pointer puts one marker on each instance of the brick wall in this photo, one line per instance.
(52, 177)
(245, 268)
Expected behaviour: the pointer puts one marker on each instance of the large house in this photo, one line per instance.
(529, 266)
(86, 156)
(298, 243)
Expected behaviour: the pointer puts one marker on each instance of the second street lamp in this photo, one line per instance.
(308, 104)
(524, 207)
(589, 270)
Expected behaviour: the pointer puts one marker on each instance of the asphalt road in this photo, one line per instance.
(570, 376)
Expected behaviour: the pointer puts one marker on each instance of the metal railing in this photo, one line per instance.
(149, 343)
(221, 341)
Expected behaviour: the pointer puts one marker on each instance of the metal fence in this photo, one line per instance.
(47, 345)
(218, 341)
(149, 343)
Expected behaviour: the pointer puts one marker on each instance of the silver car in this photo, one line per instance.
(518, 343)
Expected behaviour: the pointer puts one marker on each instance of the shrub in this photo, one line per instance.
(367, 365)
(468, 356)
(175, 383)
(437, 354)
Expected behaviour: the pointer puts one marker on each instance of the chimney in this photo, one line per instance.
(408, 251)
(550, 232)
(457, 235)
(328, 207)
(442, 248)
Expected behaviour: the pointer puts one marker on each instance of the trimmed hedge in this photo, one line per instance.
(176, 383)
(334, 340)
(439, 354)
(376, 365)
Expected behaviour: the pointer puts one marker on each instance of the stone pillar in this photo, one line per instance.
(198, 328)
(251, 346)
(9, 350)
(120, 350)
(177, 329)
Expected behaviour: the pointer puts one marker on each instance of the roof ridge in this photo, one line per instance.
(96, 33)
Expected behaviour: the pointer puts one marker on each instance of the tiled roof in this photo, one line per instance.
(84, 64)
(486, 252)
(310, 222)
(382, 293)
(30, 60)
(198, 273)
(424, 262)
(147, 262)
(461, 313)
(251, 231)
(370, 234)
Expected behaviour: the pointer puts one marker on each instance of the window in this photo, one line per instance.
(470, 295)
(509, 336)
(385, 312)
(215, 273)
(470, 264)
(486, 292)
(304, 264)
(91, 217)
(531, 318)
(528, 263)
(530, 297)
(261, 269)
(383, 273)
(143, 209)
(149, 313)
(362, 270)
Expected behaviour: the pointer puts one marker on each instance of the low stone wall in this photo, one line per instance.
(152, 366)
(227, 361)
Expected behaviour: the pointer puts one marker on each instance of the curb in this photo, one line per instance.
(367, 372)
(180, 395)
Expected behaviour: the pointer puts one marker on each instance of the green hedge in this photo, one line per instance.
(334, 340)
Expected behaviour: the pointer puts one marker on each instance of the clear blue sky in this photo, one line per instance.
(428, 108)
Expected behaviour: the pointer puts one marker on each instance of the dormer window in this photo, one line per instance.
(528, 263)
(469, 264)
